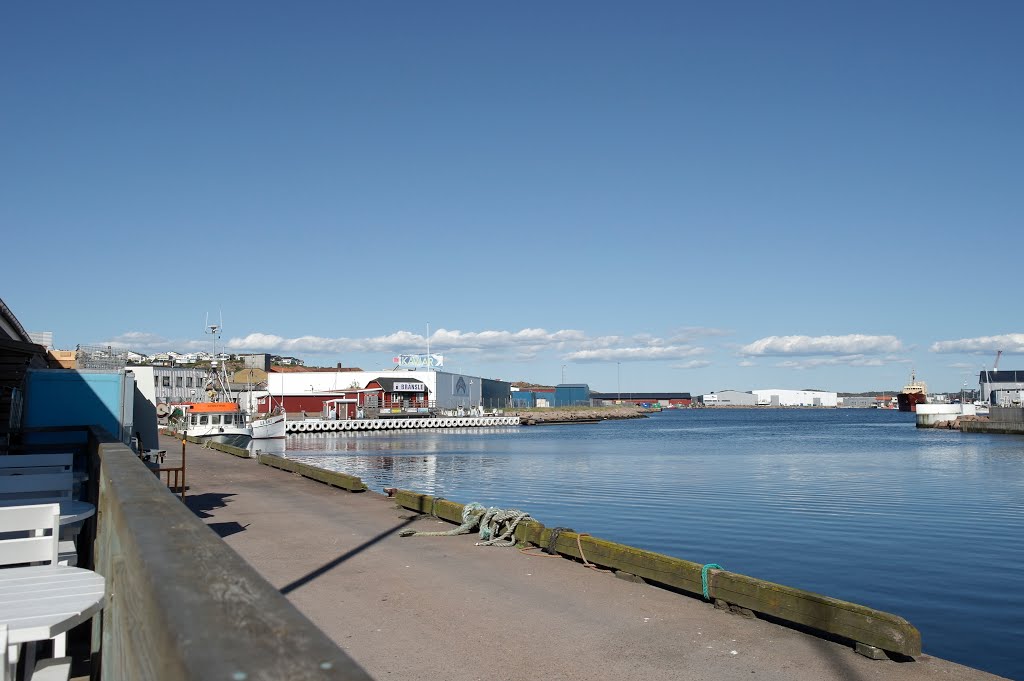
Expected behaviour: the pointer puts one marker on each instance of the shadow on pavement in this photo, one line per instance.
(226, 529)
(202, 504)
(326, 567)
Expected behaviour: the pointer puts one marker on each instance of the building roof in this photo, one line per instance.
(389, 383)
(10, 321)
(1001, 376)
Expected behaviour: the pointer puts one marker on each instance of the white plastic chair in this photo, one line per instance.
(23, 534)
(20, 464)
(31, 534)
(18, 490)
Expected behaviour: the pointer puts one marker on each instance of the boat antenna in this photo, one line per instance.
(215, 330)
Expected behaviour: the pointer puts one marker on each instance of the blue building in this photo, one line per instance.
(572, 395)
(524, 399)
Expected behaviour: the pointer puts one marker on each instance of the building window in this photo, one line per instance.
(177, 382)
(156, 381)
(188, 382)
(167, 381)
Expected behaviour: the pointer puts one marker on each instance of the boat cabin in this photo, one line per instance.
(215, 414)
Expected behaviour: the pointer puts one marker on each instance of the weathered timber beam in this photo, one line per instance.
(850, 620)
(229, 449)
(333, 478)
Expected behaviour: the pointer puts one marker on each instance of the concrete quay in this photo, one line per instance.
(441, 608)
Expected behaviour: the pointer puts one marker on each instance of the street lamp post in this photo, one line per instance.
(618, 381)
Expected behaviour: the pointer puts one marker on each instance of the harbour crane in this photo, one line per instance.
(995, 365)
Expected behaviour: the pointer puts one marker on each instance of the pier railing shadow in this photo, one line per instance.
(330, 565)
(202, 504)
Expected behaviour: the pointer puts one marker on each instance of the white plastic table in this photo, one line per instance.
(75, 511)
(45, 601)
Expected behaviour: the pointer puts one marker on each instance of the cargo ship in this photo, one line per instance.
(913, 394)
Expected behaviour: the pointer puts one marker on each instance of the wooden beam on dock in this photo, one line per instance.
(332, 478)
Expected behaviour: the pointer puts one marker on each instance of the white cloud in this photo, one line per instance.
(136, 339)
(502, 339)
(690, 333)
(748, 363)
(1010, 343)
(522, 344)
(692, 364)
(851, 344)
(405, 341)
(141, 341)
(846, 360)
(651, 352)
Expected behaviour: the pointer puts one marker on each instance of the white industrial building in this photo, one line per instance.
(728, 398)
(1002, 388)
(446, 390)
(775, 397)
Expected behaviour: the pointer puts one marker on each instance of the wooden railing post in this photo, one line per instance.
(182, 470)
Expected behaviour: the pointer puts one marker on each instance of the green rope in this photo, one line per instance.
(704, 577)
(497, 527)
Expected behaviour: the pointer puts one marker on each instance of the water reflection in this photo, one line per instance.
(268, 446)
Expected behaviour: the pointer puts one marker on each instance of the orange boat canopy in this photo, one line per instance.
(206, 407)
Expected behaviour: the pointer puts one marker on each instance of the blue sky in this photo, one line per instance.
(639, 196)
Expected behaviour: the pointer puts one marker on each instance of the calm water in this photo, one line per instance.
(855, 504)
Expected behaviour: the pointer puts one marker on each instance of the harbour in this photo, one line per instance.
(855, 504)
(425, 607)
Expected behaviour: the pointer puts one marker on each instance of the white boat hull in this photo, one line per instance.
(270, 427)
(236, 437)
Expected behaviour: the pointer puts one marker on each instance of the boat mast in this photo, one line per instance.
(219, 372)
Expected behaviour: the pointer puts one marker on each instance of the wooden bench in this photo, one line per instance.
(173, 476)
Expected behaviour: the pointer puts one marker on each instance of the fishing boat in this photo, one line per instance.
(913, 394)
(220, 419)
(222, 422)
(269, 426)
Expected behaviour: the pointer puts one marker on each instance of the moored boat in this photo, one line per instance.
(913, 394)
(269, 426)
(221, 422)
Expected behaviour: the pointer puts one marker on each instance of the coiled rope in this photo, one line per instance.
(497, 526)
